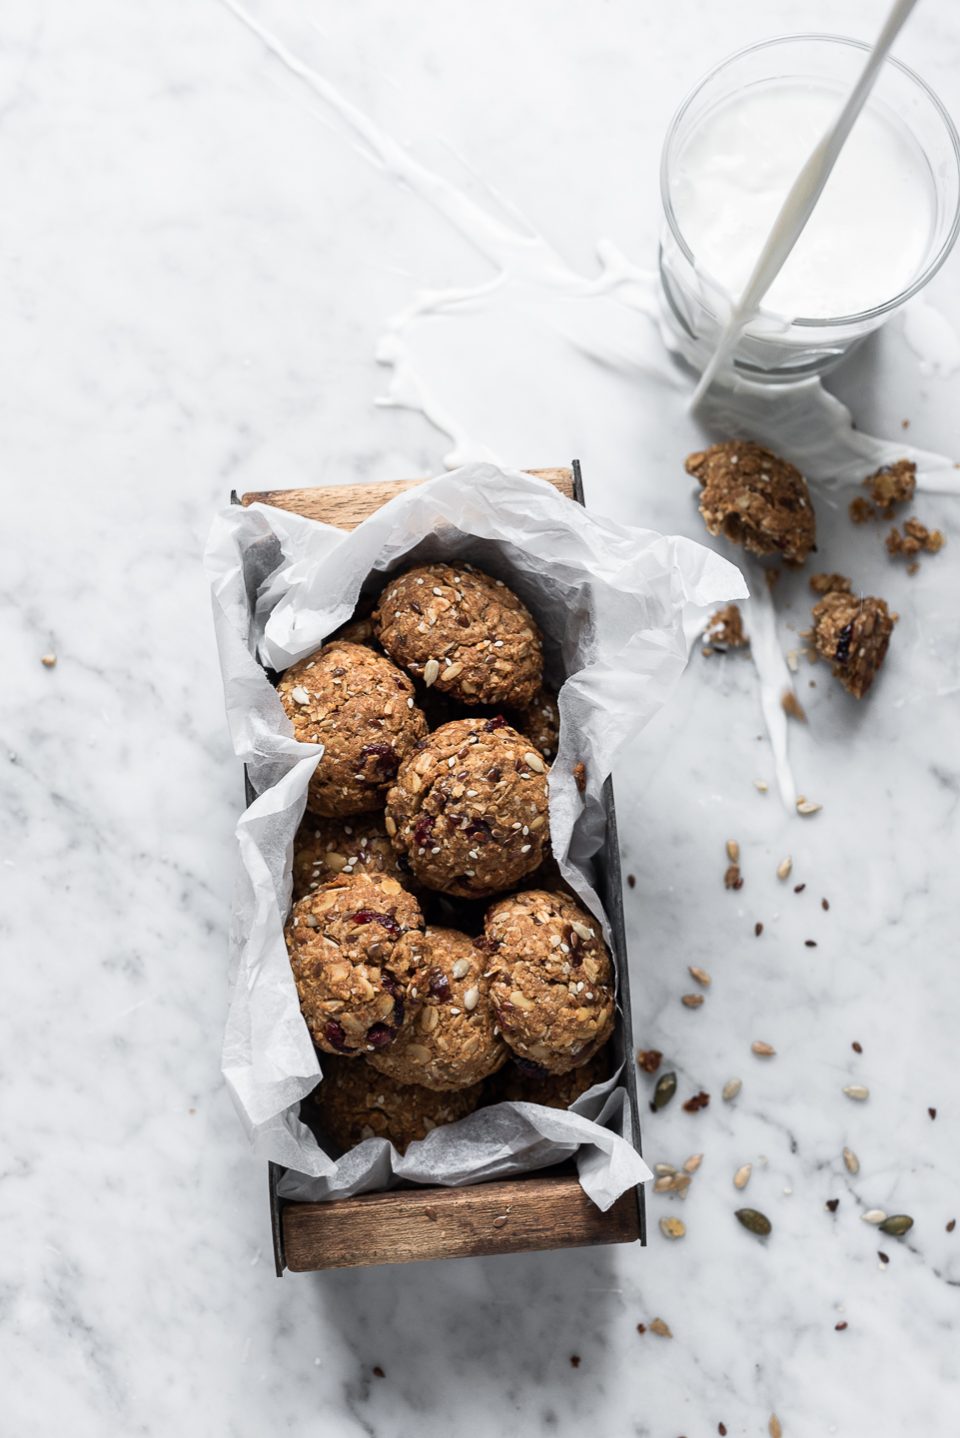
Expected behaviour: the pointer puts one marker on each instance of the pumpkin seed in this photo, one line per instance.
(897, 1224)
(858, 1091)
(731, 1088)
(672, 1227)
(742, 1176)
(665, 1090)
(850, 1161)
(756, 1222)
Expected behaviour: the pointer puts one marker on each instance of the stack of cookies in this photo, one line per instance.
(427, 809)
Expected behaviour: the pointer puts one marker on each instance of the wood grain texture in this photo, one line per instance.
(346, 505)
(409, 1225)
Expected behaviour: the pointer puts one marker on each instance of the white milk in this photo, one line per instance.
(870, 232)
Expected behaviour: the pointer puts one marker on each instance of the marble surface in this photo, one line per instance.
(199, 262)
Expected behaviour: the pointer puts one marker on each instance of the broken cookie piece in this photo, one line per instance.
(861, 510)
(916, 537)
(756, 499)
(725, 629)
(892, 485)
(853, 633)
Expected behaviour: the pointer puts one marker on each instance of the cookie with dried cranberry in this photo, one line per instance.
(357, 953)
(540, 723)
(469, 809)
(454, 1041)
(853, 632)
(755, 498)
(361, 708)
(323, 848)
(469, 635)
(551, 979)
(521, 1082)
(353, 1102)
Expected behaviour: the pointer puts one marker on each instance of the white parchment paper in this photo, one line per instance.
(612, 602)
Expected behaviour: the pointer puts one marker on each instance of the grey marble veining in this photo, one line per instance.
(197, 267)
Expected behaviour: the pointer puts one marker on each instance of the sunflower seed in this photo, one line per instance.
(701, 975)
(471, 998)
(742, 1176)
(672, 1227)
(857, 1091)
(733, 851)
(784, 868)
(663, 1169)
(451, 671)
(48, 660)
(762, 1050)
(430, 672)
(874, 1215)
(461, 968)
(756, 1222)
(897, 1224)
(534, 762)
(693, 1163)
(761, 785)
(299, 695)
(775, 1427)
(662, 1329)
(731, 1088)
(581, 931)
(807, 806)
(692, 1001)
(665, 1090)
(850, 1161)
(665, 1183)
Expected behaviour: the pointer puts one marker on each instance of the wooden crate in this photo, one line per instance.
(543, 1210)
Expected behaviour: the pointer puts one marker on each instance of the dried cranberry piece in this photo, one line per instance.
(479, 829)
(386, 759)
(497, 722)
(336, 673)
(398, 1011)
(371, 916)
(439, 985)
(494, 774)
(843, 643)
(422, 830)
(335, 1036)
(380, 1035)
(389, 983)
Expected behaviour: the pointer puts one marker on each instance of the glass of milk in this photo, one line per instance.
(884, 225)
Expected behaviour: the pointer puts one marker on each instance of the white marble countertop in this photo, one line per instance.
(199, 262)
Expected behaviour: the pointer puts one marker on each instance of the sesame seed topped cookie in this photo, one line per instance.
(458, 629)
(362, 709)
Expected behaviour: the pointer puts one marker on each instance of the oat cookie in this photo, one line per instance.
(853, 632)
(454, 1041)
(357, 952)
(551, 979)
(361, 708)
(469, 808)
(520, 1082)
(540, 722)
(353, 1102)
(456, 628)
(323, 848)
(756, 499)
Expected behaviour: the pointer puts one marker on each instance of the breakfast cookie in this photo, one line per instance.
(756, 499)
(551, 979)
(469, 808)
(323, 848)
(853, 632)
(520, 1082)
(361, 708)
(456, 628)
(357, 952)
(540, 722)
(353, 1102)
(454, 1040)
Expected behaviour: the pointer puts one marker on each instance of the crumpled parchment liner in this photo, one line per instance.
(612, 603)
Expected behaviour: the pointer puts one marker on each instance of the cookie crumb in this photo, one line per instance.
(580, 776)
(48, 660)
(649, 1060)
(725, 629)
(631, 881)
(915, 539)
(861, 510)
(698, 1101)
(830, 584)
(378, 1371)
(791, 706)
(891, 485)
(574, 1360)
(733, 879)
